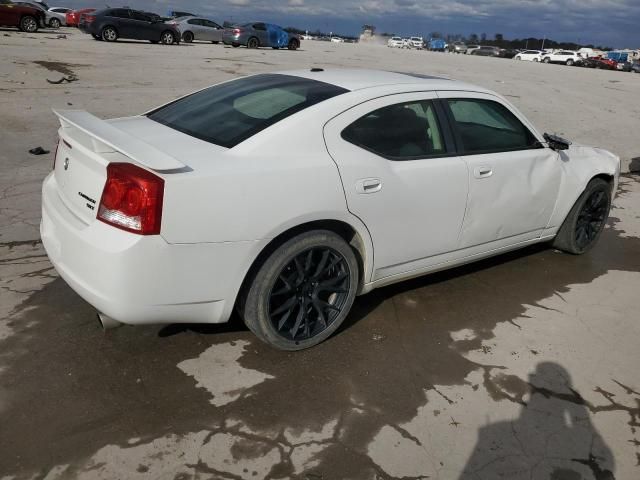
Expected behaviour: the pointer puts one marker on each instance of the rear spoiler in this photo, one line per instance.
(106, 137)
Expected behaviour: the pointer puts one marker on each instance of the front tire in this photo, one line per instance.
(293, 45)
(547, 60)
(586, 220)
(54, 23)
(109, 34)
(303, 291)
(28, 24)
(570, 63)
(187, 37)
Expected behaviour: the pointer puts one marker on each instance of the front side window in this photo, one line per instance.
(229, 113)
(140, 16)
(404, 131)
(488, 126)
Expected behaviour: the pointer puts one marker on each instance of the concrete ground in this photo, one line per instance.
(522, 366)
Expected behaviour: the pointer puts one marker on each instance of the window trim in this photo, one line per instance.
(458, 137)
(441, 119)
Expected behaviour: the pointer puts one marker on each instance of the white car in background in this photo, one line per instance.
(395, 42)
(529, 56)
(417, 42)
(567, 57)
(285, 195)
(337, 40)
(198, 28)
(58, 16)
(471, 48)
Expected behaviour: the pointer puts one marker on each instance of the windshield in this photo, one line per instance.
(229, 113)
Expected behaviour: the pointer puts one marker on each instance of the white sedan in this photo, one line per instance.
(285, 195)
(529, 55)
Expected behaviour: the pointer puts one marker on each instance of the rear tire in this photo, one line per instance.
(293, 45)
(187, 37)
(167, 38)
(235, 45)
(570, 63)
(253, 42)
(109, 34)
(547, 60)
(28, 24)
(586, 220)
(302, 292)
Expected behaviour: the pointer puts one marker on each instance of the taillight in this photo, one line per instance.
(132, 199)
(236, 31)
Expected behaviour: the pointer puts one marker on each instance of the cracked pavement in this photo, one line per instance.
(524, 366)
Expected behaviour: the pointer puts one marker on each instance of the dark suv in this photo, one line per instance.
(114, 23)
(26, 18)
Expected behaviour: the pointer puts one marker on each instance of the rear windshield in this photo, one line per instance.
(229, 113)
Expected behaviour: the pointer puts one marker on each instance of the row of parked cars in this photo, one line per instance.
(111, 24)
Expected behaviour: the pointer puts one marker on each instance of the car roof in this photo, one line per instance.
(357, 79)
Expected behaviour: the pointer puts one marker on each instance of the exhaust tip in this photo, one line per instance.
(107, 323)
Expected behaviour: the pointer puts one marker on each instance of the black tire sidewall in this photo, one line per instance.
(102, 34)
(24, 19)
(256, 303)
(253, 42)
(566, 236)
(188, 37)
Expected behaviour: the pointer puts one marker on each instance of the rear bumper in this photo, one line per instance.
(142, 279)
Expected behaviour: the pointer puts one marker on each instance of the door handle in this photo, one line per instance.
(368, 185)
(482, 172)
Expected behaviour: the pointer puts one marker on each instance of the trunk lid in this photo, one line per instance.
(87, 145)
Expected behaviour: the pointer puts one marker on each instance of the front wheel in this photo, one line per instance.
(187, 37)
(109, 34)
(54, 23)
(547, 60)
(586, 220)
(303, 291)
(28, 24)
(570, 63)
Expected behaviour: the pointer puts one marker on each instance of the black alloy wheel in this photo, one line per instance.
(253, 43)
(187, 37)
(586, 220)
(591, 219)
(309, 294)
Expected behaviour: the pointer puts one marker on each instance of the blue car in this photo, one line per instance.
(259, 34)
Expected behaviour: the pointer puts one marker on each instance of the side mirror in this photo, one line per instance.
(556, 143)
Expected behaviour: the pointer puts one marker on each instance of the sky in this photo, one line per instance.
(614, 23)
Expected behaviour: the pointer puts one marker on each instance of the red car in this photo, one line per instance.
(599, 62)
(73, 17)
(27, 19)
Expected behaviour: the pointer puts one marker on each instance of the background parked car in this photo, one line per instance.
(635, 67)
(563, 56)
(60, 13)
(113, 23)
(395, 42)
(259, 34)
(197, 28)
(27, 18)
(471, 48)
(486, 51)
(458, 47)
(437, 45)
(529, 55)
(507, 53)
(73, 16)
(417, 42)
(48, 16)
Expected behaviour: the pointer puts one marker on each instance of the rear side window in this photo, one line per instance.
(229, 113)
(404, 131)
(487, 126)
(119, 13)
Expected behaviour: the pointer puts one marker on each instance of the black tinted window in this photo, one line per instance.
(259, 26)
(118, 13)
(229, 113)
(194, 21)
(140, 16)
(401, 132)
(487, 126)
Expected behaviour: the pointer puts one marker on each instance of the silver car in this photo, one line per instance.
(198, 28)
